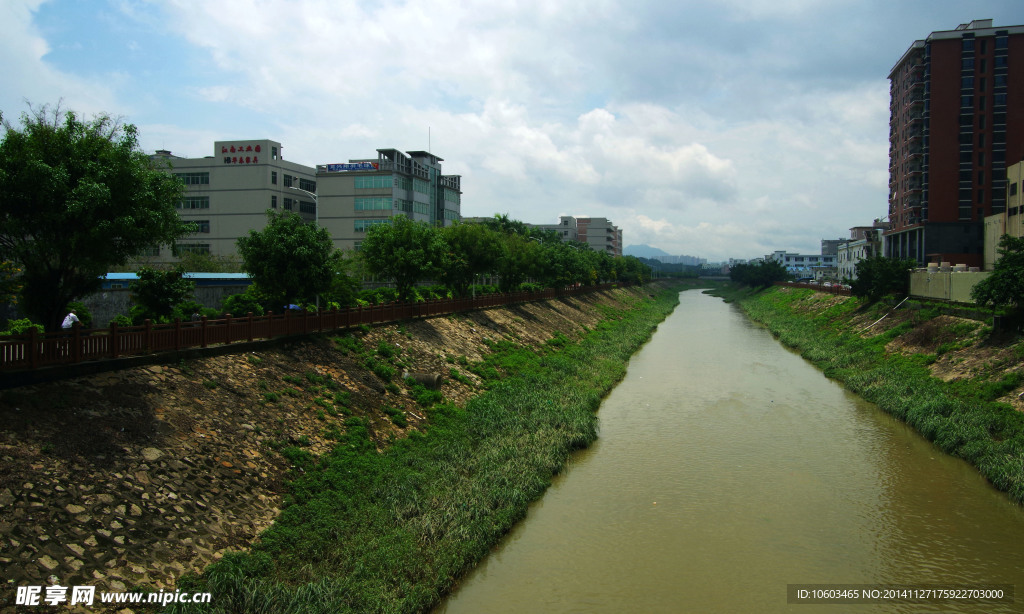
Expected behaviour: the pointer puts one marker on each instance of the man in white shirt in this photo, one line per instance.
(69, 320)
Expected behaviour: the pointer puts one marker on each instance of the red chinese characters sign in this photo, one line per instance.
(244, 153)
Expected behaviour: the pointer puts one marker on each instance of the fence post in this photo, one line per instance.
(148, 337)
(270, 324)
(202, 333)
(177, 334)
(113, 340)
(33, 347)
(250, 326)
(227, 328)
(76, 354)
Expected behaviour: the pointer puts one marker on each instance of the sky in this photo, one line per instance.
(718, 129)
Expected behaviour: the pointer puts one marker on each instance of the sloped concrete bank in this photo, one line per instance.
(132, 478)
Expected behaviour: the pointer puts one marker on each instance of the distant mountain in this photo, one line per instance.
(653, 253)
(645, 251)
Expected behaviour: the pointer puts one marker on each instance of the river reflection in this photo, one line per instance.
(728, 468)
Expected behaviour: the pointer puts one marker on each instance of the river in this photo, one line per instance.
(729, 468)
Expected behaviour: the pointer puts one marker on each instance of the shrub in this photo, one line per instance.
(18, 327)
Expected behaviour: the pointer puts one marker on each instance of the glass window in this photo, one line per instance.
(999, 100)
(968, 44)
(273, 177)
(374, 203)
(967, 64)
(203, 225)
(273, 202)
(967, 83)
(373, 182)
(288, 181)
(194, 202)
(967, 101)
(307, 185)
(287, 203)
(192, 248)
(1001, 61)
(1002, 42)
(307, 207)
(364, 225)
(194, 178)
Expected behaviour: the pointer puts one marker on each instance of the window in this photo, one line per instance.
(981, 177)
(373, 182)
(194, 202)
(981, 103)
(967, 83)
(967, 64)
(999, 100)
(983, 66)
(981, 159)
(981, 122)
(273, 177)
(273, 153)
(984, 45)
(194, 178)
(149, 251)
(202, 225)
(1001, 61)
(307, 207)
(273, 202)
(1013, 189)
(981, 196)
(192, 248)
(1000, 81)
(287, 181)
(966, 101)
(1002, 42)
(421, 186)
(287, 203)
(377, 203)
(981, 140)
(364, 225)
(307, 184)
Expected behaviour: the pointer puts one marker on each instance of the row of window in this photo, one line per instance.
(374, 182)
(194, 178)
(997, 100)
(374, 203)
(364, 225)
(194, 202)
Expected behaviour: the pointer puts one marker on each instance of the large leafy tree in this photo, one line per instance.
(1005, 286)
(404, 251)
(472, 249)
(78, 197)
(878, 276)
(290, 261)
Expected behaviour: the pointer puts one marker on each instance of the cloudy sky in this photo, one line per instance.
(721, 128)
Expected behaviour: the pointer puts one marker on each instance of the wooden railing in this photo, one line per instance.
(35, 350)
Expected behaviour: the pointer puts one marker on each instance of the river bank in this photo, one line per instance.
(130, 479)
(952, 379)
(364, 531)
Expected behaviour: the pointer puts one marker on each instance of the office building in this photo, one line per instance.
(597, 232)
(956, 123)
(356, 195)
(228, 194)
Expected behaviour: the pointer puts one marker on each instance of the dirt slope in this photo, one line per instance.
(130, 479)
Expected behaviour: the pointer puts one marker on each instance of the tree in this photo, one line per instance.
(404, 251)
(289, 261)
(77, 198)
(10, 282)
(156, 293)
(879, 275)
(1005, 286)
(472, 249)
(760, 275)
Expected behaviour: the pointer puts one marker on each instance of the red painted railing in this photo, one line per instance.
(34, 350)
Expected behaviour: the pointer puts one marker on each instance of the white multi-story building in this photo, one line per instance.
(356, 195)
(229, 193)
(864, 242)
(597, 232)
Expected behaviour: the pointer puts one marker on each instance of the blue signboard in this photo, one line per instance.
(352, 166)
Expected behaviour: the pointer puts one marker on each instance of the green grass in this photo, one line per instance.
(363, 531)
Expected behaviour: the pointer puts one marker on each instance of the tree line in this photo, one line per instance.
(78, 198)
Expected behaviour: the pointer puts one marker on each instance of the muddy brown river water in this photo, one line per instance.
(728, 469)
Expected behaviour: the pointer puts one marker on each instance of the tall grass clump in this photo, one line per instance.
(962, 418)
(363, 531)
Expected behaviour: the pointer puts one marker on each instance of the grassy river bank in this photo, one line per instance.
(365, 531)
(952, 379)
